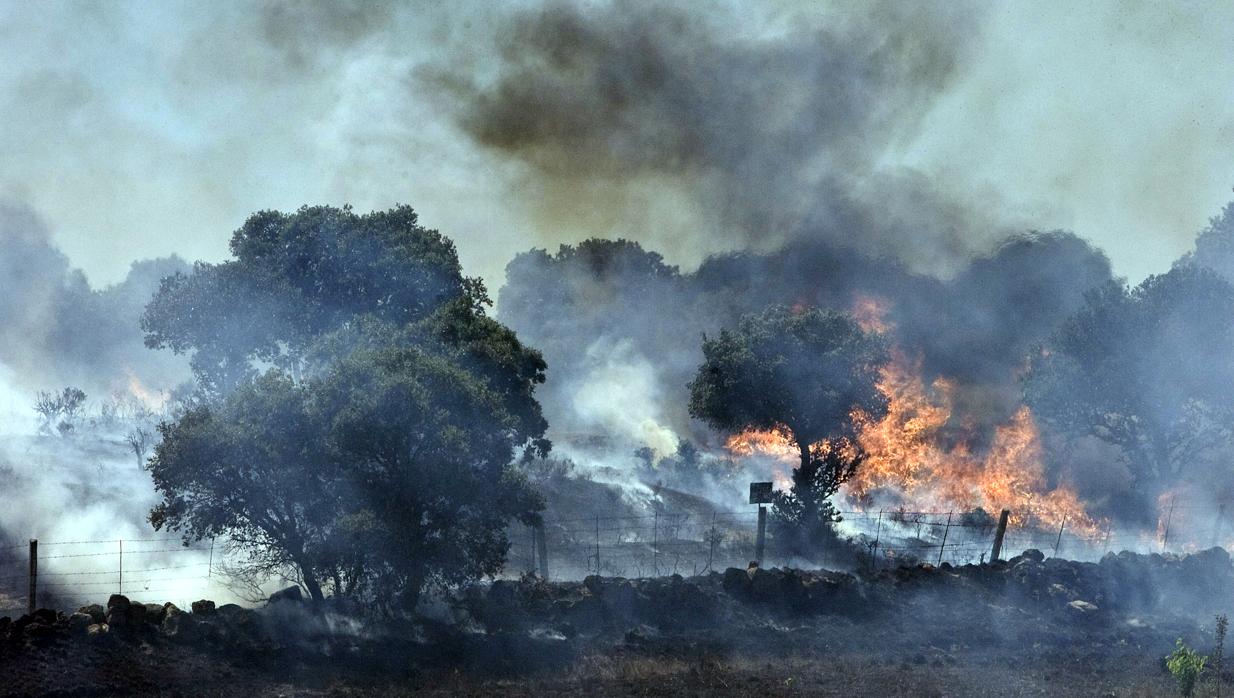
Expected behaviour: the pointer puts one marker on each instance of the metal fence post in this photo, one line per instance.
(34, 574)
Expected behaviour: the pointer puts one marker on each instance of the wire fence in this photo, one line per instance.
(49, 573)
(664, 543)
(91, 570)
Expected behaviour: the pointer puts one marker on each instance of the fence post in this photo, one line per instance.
(655, 543)
(531, 550)
(998, 535)
(1217, 525)
(878, 530)
(712, 540)
(760, 542)
(34, 574)
(943, 547)
(1165, 537)
(121, 590)
(541, 549)
(597, 544)
(1059, 541)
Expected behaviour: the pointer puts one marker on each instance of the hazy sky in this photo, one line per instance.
(144, 129)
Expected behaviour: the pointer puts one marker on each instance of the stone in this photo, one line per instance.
(204, 607)
(154, 613)
(736, 581)
(1033, 554)
(289, 595)
(80, 622)
(97, 613)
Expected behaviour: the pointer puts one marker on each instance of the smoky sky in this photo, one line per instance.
(138, 130)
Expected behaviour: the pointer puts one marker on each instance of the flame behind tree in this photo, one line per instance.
(907, 454)
(800, 374)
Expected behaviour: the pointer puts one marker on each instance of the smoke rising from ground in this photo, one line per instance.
(974, 329)
(55, 330)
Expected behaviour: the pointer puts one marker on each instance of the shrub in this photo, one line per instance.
(1185, 665)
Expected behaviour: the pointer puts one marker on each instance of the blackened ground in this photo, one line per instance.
(1025, 627)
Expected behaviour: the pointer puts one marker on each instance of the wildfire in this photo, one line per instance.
(153, 399)
(767, 444)
(909, 454)
(871, 312)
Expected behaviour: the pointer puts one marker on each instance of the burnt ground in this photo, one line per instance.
(1024, 627)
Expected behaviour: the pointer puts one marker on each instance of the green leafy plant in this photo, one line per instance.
(1185, 665)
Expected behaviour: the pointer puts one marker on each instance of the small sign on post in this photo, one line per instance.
(760, 492)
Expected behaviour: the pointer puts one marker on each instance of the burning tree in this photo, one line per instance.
(803, 375)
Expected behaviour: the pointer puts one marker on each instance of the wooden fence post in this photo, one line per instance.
(1165, 536)
(34, 575)
(998, 535)
(878, 531)
(1217, 525)
(760, 542)
(943, 547)
(1059, 541)
(655, 543)
(597, 544)
(542, 550)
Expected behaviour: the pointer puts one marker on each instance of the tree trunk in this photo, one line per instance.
(805, 453)
(311, 583)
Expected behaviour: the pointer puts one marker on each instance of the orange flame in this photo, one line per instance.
(908, 452)
(153, 399)
(767, 444)
(871, 312)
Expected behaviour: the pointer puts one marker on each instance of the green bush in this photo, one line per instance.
(1185, 665)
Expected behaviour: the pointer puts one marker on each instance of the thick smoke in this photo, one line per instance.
(55, 330)
(605, 310)
(686, 131)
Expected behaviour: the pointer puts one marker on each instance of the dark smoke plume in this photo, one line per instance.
(703, 135)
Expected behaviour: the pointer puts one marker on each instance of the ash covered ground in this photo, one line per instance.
(1029, 625)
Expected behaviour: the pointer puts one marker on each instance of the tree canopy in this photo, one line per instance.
(387, 473)
(1148, 369)
(296, 277)
(373, 455)
(801, 373)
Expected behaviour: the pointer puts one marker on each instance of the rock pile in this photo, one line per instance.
(229, 626)
(1123, 583)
